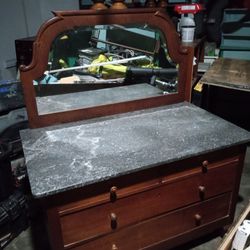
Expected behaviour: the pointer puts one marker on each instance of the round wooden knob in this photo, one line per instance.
(202, 190)
(113, 220)
(114, 247)
(198, 219)
(113, 193)
(204, 166)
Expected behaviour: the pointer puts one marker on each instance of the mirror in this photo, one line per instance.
(97, 65)
(92, 63)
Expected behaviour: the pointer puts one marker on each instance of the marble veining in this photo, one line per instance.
(92, 98)
(66, 157)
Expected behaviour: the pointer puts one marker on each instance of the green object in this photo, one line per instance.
(63, 63)
(72, 61)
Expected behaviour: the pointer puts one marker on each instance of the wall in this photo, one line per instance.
(12, 26)
(48, 5)
(22, 18)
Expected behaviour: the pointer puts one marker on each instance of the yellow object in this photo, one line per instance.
(198, 87)
(96, 69)
(111, 71)
(63, 63)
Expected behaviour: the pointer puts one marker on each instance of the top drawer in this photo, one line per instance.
(149, 179)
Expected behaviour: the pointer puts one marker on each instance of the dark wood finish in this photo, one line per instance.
(180, 195)
(24, 50)
(69, 19)
(54, 228)
(145, 234)
(86, 223)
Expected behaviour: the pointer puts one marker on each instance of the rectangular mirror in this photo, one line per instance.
(105, 64)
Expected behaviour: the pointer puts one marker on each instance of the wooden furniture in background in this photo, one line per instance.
(228, 90)
(24, 49)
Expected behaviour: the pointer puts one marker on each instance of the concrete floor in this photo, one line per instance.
(27, 240)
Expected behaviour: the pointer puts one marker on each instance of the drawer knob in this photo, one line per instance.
(113, 194)
(198, 219)
(113, 220)
(202, 190)
(114, 247)
(204, 166)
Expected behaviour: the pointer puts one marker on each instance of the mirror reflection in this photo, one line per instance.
(104, 64)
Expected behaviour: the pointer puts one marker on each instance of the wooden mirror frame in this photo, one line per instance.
(65, 20)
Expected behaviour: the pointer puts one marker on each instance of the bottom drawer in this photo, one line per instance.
(163, 227)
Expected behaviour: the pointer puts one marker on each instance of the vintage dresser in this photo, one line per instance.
(123, 160)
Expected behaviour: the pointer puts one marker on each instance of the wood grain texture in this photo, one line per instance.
(165, 226)
(229, 73)
(95, 221)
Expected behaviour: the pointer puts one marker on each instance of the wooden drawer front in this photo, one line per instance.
(220, 179)
(101, 219)
(140, 182)
(163, 227)
(97, 220)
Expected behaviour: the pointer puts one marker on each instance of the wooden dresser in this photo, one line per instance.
(127, 164)
(150, 179)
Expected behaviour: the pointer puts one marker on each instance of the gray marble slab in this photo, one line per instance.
(74, 155)
(72, 101)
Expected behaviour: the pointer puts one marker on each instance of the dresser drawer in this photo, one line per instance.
(88, 223)
(152, 178)
(163, 227)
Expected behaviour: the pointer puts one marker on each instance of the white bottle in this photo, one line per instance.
(187, 26)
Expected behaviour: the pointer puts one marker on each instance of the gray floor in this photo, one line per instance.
(25, 241)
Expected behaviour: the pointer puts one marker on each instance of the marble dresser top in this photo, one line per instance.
(74, 155)
(92, 98)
